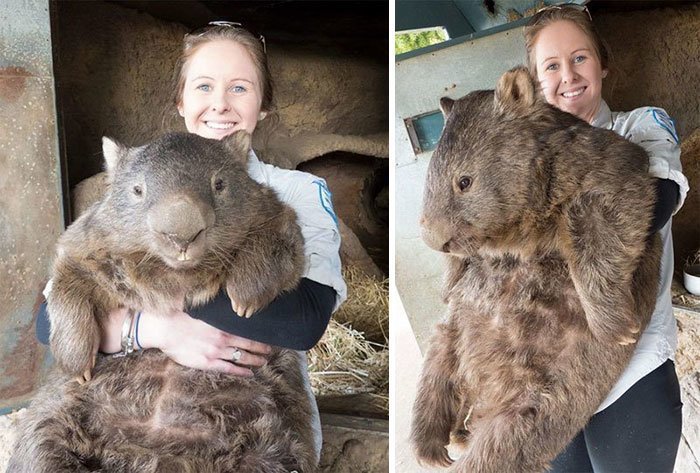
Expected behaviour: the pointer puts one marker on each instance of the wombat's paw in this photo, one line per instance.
(242, 310)
(616, 334)
(76, 357)
(432, 453)
(248, 304)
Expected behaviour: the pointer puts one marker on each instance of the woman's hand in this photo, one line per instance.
(188, 341)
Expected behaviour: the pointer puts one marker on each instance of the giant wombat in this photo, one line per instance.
(180, 219)
(551, 277)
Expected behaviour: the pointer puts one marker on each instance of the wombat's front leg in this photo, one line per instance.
(603, 254)
(438, 400)
(75, 334)
(270, 262)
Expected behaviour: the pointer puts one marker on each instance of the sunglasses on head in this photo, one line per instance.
(561, 6)
(226, 24)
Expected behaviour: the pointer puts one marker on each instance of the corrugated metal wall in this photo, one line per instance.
(30, 191)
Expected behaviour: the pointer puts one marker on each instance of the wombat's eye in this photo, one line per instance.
(464, 183)
(219, 185)
(138, 191)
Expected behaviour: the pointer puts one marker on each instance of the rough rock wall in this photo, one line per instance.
(656, 56)
(686, 223)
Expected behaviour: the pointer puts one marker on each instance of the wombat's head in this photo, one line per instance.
(172, 196)
(480, 177)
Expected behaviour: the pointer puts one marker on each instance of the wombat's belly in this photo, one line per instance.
(159, 405)
(521, 325)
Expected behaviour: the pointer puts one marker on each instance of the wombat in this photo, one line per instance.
(551, 277)
(181, 218)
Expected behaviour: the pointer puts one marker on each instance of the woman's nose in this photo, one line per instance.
(220, 103)
(568, 74)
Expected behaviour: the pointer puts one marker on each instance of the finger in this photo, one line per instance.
(230, 368)
(250, 311)
(246, 358)
(249, 345)
(87, 374)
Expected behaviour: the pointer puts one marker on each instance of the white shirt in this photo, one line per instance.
(652, 129)
(310, 198)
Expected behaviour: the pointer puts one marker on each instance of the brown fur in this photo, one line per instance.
(144, 413)
(550, 280)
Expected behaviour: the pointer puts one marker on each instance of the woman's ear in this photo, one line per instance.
(262, 115)
(180, 111)
(605, 73)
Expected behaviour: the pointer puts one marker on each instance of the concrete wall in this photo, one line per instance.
(420, 82)
(31, 215)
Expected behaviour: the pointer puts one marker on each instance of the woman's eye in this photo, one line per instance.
(552, 67)
(464, 183)
(238, 89)
(204, 87)
(579, 59)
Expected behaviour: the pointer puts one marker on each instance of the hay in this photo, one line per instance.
(345, 363)
(367, 306)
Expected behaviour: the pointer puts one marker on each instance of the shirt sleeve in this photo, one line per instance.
(311, 199)
(296, 319)
(652, 129)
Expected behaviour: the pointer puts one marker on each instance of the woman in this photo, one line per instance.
(567, 57)
(222, 85)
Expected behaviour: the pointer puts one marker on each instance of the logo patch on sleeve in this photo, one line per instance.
(665, 122)
(326, 198)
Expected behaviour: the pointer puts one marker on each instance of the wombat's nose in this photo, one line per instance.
(436, 233)
(182, 241)
(180, 218)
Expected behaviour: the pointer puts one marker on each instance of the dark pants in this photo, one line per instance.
(639, 432)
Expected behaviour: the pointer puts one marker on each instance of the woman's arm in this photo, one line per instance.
(295, 320)
(666, 201)
(206, 339)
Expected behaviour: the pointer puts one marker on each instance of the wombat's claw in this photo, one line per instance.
(626, 341)
(87, 374)
(243, 311)
(440, 459)
(85, 377)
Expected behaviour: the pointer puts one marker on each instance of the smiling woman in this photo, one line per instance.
(570, 70)
(218, 98)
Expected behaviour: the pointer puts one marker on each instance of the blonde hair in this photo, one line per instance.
(576, 15)
(254, 46)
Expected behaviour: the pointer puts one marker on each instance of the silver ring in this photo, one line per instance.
(236, 355)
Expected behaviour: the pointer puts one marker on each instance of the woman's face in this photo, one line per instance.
(222, 91)
(569, 69)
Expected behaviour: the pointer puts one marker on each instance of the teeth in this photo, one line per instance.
(220, 126)
(182, 256)
(575, 93)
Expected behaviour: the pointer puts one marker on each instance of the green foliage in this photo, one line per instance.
(405, 42)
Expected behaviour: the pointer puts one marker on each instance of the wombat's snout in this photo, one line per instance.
(435, 234)
(178, 221)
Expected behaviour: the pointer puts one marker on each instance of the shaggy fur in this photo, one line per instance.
(551, 277)
(181, 219)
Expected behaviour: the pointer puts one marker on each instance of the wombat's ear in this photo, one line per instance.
(113, 152)
(515, 93)
(446, 104)
(238, 143)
